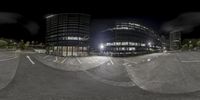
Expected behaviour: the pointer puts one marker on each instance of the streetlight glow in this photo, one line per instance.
(149, 43)
(101, 46)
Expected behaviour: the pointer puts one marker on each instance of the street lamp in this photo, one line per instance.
(149, 44)
(101, 46)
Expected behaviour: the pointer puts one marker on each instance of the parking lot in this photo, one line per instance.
(8, 65)
(153, 76)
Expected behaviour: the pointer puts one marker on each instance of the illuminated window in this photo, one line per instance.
(136, 44)
(71, 38)
(55, 48)
(131, 48)
(108, 44)
(124, 43)
(143, 44)
(80, 38)
(133, 43)
(116, 43)
(84, 48)
(116, 49)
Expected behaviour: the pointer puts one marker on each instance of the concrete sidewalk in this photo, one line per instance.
(167, 74)
(71, 63)
(8, 69)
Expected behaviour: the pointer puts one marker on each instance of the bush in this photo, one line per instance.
(3, 43)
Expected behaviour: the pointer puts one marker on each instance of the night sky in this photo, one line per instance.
(153, 14)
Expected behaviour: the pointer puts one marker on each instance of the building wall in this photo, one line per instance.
(130, 39)
(68, 34)
(175, 40)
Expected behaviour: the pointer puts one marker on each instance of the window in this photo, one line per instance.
(117, 43)
(131, 48)
(84, 48)
(109, 44)
(143, 45)
(124, 43)
(55, 48)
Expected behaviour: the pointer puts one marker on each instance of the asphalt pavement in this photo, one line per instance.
(172, 73)
(40, 82)
(37, 81)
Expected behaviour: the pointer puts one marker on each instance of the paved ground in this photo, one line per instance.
(8, 65)
(172, 73)
(37, 81)
(71, 63)
(7, 55)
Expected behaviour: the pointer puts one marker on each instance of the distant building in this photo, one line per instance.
(175, 40)
(129, 38)
(67, 34)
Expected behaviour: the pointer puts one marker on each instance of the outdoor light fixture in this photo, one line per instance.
(101, 46)
(149, 43)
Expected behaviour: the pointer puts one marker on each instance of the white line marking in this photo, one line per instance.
(64, 60)
(70, 61)
(8, 59)
(30, 59)
(148, 59)
(129, 65)
(78, 60)
(108, 64)
(111, 61)
(45, 57)
(130, 61)
(56, 59)
(109, 82)
(124, 64)
(190, 61)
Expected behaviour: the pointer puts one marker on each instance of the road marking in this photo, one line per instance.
(108, 64)
(64, 60)
(148, 59)
(78, 60)
(125, 64)
(190, 61)
(45, 56)
(30, 59)
(70, 61)
(8, 59)
(110, 82)
(111, 61)
(129, 65)
(130, 61)
(56, 59)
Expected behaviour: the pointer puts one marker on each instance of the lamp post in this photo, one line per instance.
(149, 46)
(101, 47)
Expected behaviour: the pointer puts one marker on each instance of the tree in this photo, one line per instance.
(198, 44)
(3, 43)
(27, 45)
(32, 42)
(191, 46)
(21, 45)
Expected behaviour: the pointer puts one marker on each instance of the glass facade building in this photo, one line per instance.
(67, 34)
(129, 38)
(175, 40)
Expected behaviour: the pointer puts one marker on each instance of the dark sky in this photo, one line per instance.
(153, 13)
